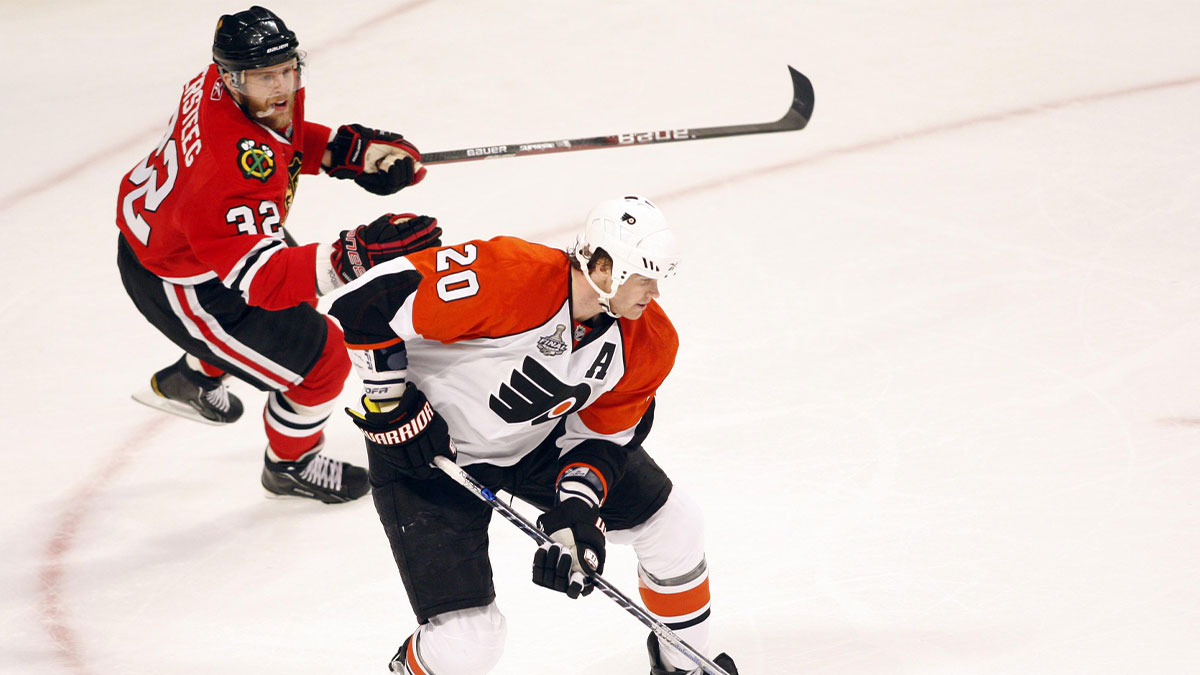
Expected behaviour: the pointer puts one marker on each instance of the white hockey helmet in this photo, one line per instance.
(634, 233)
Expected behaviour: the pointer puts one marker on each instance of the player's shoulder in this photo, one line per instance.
(493, 288)
(506, 251)
(525, 261)
(505, 261)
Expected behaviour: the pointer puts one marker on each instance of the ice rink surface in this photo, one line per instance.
(937, 391)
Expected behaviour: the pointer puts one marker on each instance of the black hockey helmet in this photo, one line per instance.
(253, 38)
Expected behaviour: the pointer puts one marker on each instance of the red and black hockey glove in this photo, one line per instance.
(388, 236)
(379, 161)
(407, 437)
(566, 566)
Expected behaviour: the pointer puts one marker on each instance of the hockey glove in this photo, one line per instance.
(388, 236)
(379, 161)
(566, 566)
(406, 437)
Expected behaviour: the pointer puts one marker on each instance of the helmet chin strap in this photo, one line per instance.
(604, 304)
(605, 296)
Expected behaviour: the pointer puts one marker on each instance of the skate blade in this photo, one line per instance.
(301, 498)
(147, 397)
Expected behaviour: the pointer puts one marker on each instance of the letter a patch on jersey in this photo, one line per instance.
(256, 160)
(599, 368)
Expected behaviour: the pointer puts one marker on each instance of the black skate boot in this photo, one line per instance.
(315, 476)
(189, 393)
(657, 667)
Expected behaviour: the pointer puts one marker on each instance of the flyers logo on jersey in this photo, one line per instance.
(534, 394)
(256, 160)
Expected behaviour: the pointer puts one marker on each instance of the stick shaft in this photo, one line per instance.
(460, 476)
(795, 118)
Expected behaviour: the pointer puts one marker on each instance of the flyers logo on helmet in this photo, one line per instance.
(256, 160)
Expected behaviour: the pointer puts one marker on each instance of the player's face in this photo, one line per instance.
(633, 296)
(269, 94)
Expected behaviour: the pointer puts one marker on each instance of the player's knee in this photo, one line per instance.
(671, 542)
(463, 642)
(335, 360)
(325, 379)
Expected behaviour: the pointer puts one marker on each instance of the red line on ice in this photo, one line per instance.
(50, 576)
(899, 137)
(53, 609)
(926, 132)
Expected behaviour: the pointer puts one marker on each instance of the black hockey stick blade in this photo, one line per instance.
(796, 118)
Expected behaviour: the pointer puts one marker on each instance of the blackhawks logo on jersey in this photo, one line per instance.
(293, 179)
(256, 160)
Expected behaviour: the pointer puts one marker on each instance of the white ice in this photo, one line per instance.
(938, 387)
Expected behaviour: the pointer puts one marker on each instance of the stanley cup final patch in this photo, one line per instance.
(553, 345)
(256, 160)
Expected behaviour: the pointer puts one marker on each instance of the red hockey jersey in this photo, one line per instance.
(210, 201)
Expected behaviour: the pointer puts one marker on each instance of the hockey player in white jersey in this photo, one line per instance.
(536, 370)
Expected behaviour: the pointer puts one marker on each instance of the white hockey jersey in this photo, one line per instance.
(491, 342)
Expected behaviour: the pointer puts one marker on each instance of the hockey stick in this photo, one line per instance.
(458, 475)
(796, 118)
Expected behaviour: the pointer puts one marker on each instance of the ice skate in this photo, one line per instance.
(657, 667)
(399, 662)
(189, 393)
(315, 476)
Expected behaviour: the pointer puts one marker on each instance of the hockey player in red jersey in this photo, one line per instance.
(536, 369)
(204, 256)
